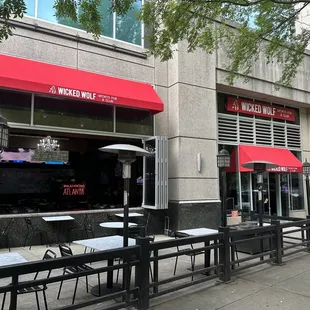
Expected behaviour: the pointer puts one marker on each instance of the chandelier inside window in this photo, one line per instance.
(48, 145)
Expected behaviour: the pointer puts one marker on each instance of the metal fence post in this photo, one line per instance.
(142, 273)
(225, 254)
(278, 241)
(308, 233)
(13, 301)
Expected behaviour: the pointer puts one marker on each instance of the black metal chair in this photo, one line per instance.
(5, 234)
(192, 256)
(146, 224)
(85, 229)
(36, 288)
(66, 251)
(32, 232)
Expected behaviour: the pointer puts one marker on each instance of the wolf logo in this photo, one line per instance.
(53, 90)
(235, 105)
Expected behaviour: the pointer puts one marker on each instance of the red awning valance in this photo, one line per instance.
(286, 160)
(37, 77)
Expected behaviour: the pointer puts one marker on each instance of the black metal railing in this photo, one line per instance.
(223, 254)
(203, 246)
(129, 256)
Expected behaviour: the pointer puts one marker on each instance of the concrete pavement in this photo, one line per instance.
(285, 287)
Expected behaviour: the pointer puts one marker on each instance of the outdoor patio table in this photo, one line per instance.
(11, 258)
(200, 232)
(117, 225)
(57, 220)
(103, 244)
(130, 214)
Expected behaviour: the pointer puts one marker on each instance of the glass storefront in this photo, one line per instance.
(282, 192)
(247, 121)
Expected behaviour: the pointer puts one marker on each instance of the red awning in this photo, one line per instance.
(286, 160)
(38, 77)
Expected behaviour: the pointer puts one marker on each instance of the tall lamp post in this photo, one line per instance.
(259, 168)
(127, 154)
(223, 161)
(306, 173)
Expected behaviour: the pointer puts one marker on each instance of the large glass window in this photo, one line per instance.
(128, 28)
(15, 107)
(72, 114)
(30, 4)
(134, 121)
(125, 28)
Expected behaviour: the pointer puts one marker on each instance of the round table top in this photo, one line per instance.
(115, 224)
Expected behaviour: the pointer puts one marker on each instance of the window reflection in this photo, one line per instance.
(72, 114)
(134, 121)
(127, 27)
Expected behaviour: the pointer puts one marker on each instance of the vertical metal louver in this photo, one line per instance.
(227, 129)
(246, 130)
(263, 133)
(293, 137)
(279, 138)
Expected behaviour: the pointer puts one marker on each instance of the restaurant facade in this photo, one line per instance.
(57, 81)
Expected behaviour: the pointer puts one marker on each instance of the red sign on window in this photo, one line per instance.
(73, 190)
(260, 109)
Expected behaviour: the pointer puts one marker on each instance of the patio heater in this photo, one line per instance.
(223, 161)
(259, 168)
(127, 154)
(4, 133)
(306, 173)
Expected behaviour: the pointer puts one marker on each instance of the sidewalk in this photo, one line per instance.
(269, 287)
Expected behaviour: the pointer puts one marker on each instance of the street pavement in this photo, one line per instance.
(285, 287)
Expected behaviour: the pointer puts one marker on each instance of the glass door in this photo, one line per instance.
(266, 200)
(285, 193)
(273, 192)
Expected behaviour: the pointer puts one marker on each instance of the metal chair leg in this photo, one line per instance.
(3, 301)
(175, 265)
(151, 273)
(7, 242)
(41, 238)
(45, 301)
(193, 265)
(236, 253)
(76, 284)
(26, 238)
(117, 273)
(99, 287)
(37, 298)
(61, 282)
(86, 284)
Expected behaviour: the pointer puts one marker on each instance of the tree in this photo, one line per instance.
(245, 28)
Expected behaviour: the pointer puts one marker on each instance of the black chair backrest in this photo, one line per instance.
(65, 250)
(136, 231)
(110, 217)
(28, 223)
(49, 254)
(86, 222)
(147, 222)
(7, 228)
(179, 235)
